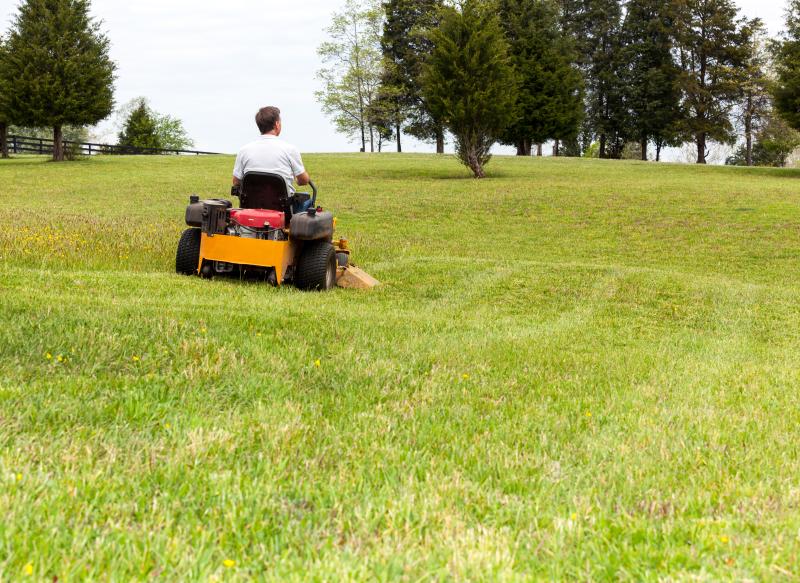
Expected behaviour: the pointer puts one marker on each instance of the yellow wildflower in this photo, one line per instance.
(135, 359)
(465, 376)
(724, 539)
(29, 569)
(318, 363)
(229, 564)
(574, 516)
(48, 356)
(588, 414)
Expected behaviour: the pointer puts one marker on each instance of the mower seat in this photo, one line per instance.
(264, 190)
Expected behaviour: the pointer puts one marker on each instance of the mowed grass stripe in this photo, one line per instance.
(576, 370)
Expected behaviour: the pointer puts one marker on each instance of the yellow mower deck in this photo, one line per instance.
(241, 251)
(276, 254)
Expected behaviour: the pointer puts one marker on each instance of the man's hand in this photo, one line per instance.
(236, 181)
(303, 179)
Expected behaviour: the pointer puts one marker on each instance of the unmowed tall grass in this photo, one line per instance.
(574, 370)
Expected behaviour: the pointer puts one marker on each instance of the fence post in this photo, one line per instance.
(41, 146)
(14, 144)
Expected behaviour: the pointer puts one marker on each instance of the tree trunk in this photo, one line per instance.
(644, 149)
(399, 145)
(3, 140)
(556, 148)
(701, 148)
(371, 140)
(475, 165)
(539, 150)
(748, 131)
(602, 145)
(58, 144)
(440, 141)
(521, 148)
(658, 152)
(363, 138)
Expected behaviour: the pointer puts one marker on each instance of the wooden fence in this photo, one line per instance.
(29, 145)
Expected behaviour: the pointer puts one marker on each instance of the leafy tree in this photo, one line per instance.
(352, 74)
(141, 127)
(405, 44)
(550, 97)
(387, 115)
(712, 49)
(652, 79)
(469, 82)
(58, 59)
(773, 143)
(787, 86)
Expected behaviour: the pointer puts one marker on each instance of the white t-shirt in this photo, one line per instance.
(270, 154)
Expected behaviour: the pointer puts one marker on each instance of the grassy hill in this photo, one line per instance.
(575, 370)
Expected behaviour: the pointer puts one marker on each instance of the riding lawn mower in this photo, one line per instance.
(274, 235)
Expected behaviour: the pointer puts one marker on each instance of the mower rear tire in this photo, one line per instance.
(188, 255)
(316, 268)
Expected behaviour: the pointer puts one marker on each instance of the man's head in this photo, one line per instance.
(268, 120)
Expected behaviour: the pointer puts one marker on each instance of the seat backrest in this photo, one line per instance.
(264, 190)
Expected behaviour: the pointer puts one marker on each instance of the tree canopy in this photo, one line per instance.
(469, 81)
(57, 68)
(550, 91)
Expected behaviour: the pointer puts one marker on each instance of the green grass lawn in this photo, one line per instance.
(575, 370)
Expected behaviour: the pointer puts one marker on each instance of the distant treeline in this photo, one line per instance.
(56, 73)
(604, 78)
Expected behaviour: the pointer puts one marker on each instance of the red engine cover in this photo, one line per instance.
(259, 218)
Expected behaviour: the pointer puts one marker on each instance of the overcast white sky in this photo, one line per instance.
(213, 64)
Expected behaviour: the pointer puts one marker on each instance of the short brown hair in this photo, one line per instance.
(267, 118)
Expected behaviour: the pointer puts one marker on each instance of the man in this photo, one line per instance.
(270, 154)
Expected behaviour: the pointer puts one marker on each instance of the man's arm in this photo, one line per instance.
(303, 179)
(236, 181)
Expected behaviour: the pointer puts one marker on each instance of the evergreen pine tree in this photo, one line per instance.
(712, 48)
(787, 87)
(58, 60)
(469, 81)
(550, 98)
(755, 103)
(140, 130)
(405, 45)
(652, 78)
(596, 26)
(4, 106)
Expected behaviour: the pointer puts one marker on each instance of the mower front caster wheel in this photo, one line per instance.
(188, 255)
(316, 268)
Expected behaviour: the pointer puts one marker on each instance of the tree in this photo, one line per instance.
(351, 77)
(596, 26)
(4, 121)
(550, 94)
(787, 87)
(469, 82)
(58, 59)
(711, 46)
(405, 44)
(773, 143)
(754, 102)
(141, 127)
(652, 79)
